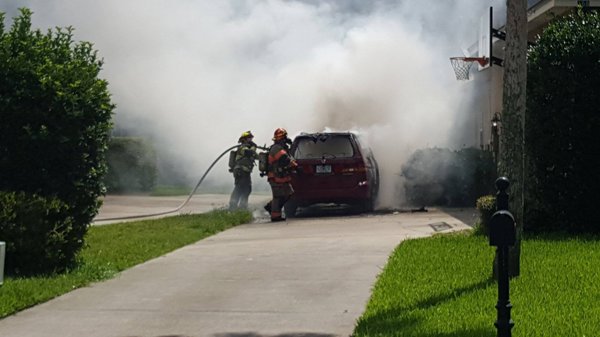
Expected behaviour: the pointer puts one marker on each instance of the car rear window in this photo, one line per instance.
(324, 146)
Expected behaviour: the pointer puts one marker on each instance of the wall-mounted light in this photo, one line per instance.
(496, 120)
(496, 136)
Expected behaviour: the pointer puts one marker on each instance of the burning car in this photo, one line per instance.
(333, 167)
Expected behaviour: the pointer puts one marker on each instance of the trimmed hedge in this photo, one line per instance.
(56, 119)
(443, 177)
(131, 165)
(486, 205)
(37, 231)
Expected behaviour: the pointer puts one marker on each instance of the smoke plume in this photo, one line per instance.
(193, 75)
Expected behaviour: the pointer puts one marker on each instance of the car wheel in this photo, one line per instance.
(290, 208)
(369, 205)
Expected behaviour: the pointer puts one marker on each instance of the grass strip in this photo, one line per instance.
(113, 248)
(167, 191)
(441, 286)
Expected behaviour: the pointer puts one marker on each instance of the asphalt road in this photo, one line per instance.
(310, 276)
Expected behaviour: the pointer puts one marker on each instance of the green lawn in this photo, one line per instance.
(113, 248)
(441, 286)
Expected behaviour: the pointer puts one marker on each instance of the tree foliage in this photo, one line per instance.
(55, 120)
(563, 119)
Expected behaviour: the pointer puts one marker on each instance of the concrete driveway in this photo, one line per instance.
(308, 276)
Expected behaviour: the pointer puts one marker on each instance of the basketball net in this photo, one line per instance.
(462, 66)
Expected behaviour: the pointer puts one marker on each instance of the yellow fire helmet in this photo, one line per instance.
(246, 135)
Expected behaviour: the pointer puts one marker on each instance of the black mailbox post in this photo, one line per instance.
(503, 234)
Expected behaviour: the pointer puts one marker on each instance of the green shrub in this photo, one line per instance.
(131, 165)
(55, 121)
(36, 229)
(562, 123)
(444, 177)
(486, 206)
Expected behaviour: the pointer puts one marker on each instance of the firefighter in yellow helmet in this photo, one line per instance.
(281, 166)
(242, 166)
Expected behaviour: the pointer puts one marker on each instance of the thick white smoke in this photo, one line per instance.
(193, 75)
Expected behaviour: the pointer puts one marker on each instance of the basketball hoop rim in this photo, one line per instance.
(481, 60)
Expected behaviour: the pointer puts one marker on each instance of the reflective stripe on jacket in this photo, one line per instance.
(245, 157)
(281, 164)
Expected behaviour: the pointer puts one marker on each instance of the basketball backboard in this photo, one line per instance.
(485, 38)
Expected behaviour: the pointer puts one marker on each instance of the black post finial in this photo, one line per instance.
(502, 185)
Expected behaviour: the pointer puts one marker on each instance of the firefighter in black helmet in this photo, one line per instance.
(242, 167)
(281, 165)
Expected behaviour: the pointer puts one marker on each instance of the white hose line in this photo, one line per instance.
(180, 206)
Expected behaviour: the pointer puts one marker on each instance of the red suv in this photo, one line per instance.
(333, 167)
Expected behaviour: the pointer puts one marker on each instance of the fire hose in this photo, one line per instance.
(186, 200)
